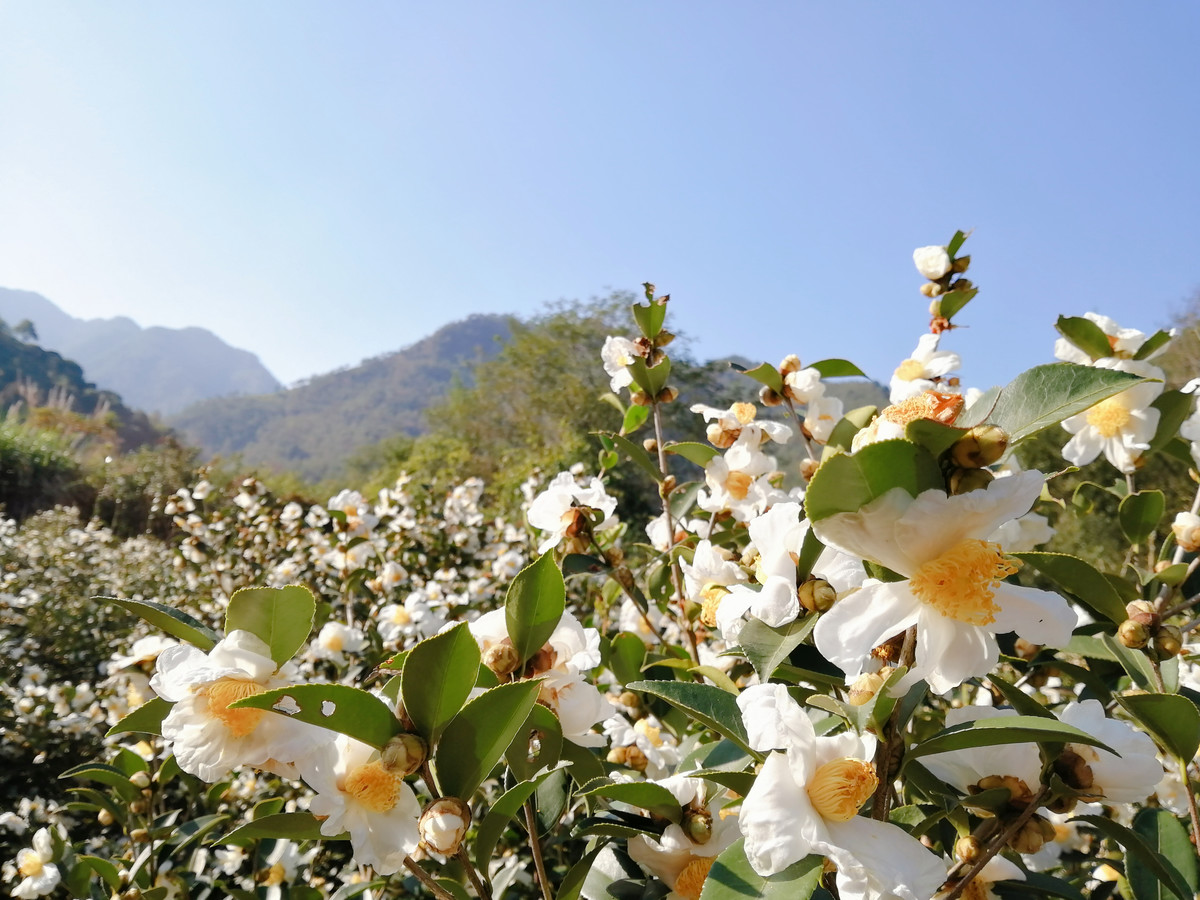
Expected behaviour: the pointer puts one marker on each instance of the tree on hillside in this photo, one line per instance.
(25, 331)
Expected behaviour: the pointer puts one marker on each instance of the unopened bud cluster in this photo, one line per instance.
(443, 825)
(1143, 628)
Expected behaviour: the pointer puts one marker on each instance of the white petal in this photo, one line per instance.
(1036, 615)
(949, 652)
(863, 620)
(772, 818)
(870, 533)
(774, 721)
(873, 857)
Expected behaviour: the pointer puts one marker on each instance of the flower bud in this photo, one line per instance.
(968, 848)
(932, 289)
(639, 398)
(650, 445)
(139, 807)
(140, 780)
(768, 396)
(667, 485)
(963, 481)
(962, 284)
(1027, 650)
(1186, 528)
(816, 595)
(1073, 770)
(1032, 836)
(1019, 794)
(105, 818)
(932, 262)
(502, 658)
(630, 700)
(667, 395)
(790, 364)
(139, 836)
(961, 264)
(443, 825)
(1133, 634)
(1062, 805)
(403, 754)
(1142, 612)
(979, 447)
(1168, 641)
(635, 758)
(616, 755)
(698, 826)
(867, 685)
(808, 468)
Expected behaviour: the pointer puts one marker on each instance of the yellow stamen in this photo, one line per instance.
(32, 866)
(225, 691)
(712, 596)
(374, 786)
(839, 788)
(334, 643)
(652, 734)
(738, 485)
(940, 407)
(400, 616)
(691, 880)
(744, 412)
(910, 370)
(1109, 417)
(275, 875)
(960, 583)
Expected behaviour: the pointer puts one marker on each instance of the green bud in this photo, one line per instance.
(979, 447)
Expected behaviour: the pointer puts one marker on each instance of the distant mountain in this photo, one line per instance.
(156, 369)
(312, 428)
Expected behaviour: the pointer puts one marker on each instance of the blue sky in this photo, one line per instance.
(326, 182)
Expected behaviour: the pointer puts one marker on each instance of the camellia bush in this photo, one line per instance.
(864, 679)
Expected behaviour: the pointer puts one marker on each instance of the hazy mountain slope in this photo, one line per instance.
(314, 427)
(155, 369)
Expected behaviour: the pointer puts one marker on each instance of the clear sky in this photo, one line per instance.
(322, 182)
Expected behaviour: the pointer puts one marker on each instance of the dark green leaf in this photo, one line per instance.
(1156, 341)
(767, 647)
(838, 368)
(1165, 836)
(534, 606)
(1086, 335)
(1173, 408)
(650, 380)
(1080, 579)
(810, 552)
(498, 817)
(281, 617)
(638, 454)
(1173, 720)
(146, 719)
(1037, 884)
(764, 374)
(709, 705)
(437, 679)
(846, 483)
(579, 563)
(1139, 514)
(107, 775)
(108, 872)
(538, 744)
(174, 622)
(1003, 730)
(477, 737)
(693, 451)
(626, 657)
(732, 878)
(296, 826)
(644, 794)
(1135, 845)
(1045, 395)
(338, 707)
(1019, 700)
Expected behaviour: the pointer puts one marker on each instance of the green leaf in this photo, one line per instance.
(1132, 661)
(933, 435)
(635, 418)
(1019, 700)
(1173, 720)
(107, 775)
(638, 454)
(626, 657)
(956, 243)
(848, 426)
(1139, 514)
(838, 368)
(437, 679)
(764, 374)
(534, 605)
(1037, 884)
(693, 451)
(173, 621)
(108, 872)
(952, 302)
(338, 707)
(477, 737)
(732, 878)
(767, 647)
(711, 706)
(295, 826)
(650, 380)
(1045, 395)
(1003, 730)
(650, 317)
(1081, 580)
(500, 814)
(1173, 408)
(810, 552)
(979, 411)
(146, 719)
(1156, 341)
(644, 794)
(538, 744)
(1135, 845)
(1086, 335)
(1165, 836)
(846, 483)
(282, 617)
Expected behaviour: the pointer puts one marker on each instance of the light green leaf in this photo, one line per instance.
(1173, 408)
(534, 605)
(956, 242)
(1173, 720)
(1081, 580)
(651, 380)
(282, 617)
(146, 719)
(1139, 514)
(732, 878)
(295, 826)
(1165, 836)
(952, 302)
(711, 706)
(477, 737)
(846, 483)
(693, 451)
(437, 679)
(1154, 342)
(838, 368)
(1086, 335)
(764, 374)
(933, 435)
(1135, 845)
(174, 622)
(1045, 395)
(847, 427)
(650, 317)
(1132, 661)
(635, 418)
(638, 454)
(767, 647)
(338, 707)
(1005, 730)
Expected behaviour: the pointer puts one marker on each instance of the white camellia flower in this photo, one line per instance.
(335, 640)
(1186, 529)
(728, 425)
(1120, 427)
(1123, 342)
(932, 262)
(617, 353)
(1019, 764)
(557, 509)
(1128, 778)
(917, 373)
(356, 792)
(207, 737)
(954, 590)
(806, 800)
(39, 876)
(821, 416)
